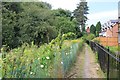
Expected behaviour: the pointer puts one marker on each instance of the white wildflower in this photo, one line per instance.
(31, 73)
(47, 57)
(41, 66)
(57, 47)
(38, 58)
(63, 35)
(27, 60)
(61, 62)
(66, 53)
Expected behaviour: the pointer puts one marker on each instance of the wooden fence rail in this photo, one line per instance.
(108, 41)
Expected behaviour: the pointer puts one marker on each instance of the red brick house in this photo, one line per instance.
(110, 29)
(112, 32)
(109, 34)
(88, 30)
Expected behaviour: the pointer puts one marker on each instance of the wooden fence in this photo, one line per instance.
(108, 41)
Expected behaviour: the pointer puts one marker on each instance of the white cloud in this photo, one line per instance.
(102, 16)
(102, 0)
(65, 4)
(70, 4)
(93, 18)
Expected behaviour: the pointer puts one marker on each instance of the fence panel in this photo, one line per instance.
(108, 41)
(109, 64)
(64, 60)
(69, 56)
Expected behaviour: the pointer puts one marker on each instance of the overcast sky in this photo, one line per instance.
(99, 10)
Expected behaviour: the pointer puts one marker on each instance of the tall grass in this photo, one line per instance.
(29, 61)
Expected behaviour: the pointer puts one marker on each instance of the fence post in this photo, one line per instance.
(108, 63)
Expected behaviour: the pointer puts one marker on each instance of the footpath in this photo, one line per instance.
(86, 65)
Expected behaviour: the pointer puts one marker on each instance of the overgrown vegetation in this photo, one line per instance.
(27, 22)
(33, 62)
(96, 40)
(38, 42)
(113, 49)
(88, 37)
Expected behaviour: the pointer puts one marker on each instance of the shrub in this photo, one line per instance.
(69, 35)
(90, 37)
(96, 40)
(32, 61)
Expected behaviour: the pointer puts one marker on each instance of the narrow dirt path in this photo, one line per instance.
(86, 65)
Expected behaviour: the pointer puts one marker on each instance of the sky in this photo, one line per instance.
(99, 10)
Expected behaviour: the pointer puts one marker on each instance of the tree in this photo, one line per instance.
(33, 22)
(10, 28)
(62, 21)
(38, 25)
(22, 23)
(62, 13)
(93, 29)
(98, 28)
(80, 14)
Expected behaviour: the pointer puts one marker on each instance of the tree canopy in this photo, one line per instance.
(93, 29)
(98, 28)
(80, 14)
(34, 21)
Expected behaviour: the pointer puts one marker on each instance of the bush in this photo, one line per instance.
(90, 37)
(69, 35)
(34, 62)
(96, 40)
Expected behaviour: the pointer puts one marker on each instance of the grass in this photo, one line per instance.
(95, 54)
(81, 65)
(113, 49)
(82, 62)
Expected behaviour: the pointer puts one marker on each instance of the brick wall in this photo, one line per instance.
(112, 32)
(115, 31)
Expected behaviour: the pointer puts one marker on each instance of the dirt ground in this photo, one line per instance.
(86, 65)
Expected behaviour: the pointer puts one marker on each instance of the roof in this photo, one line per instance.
(114, 21)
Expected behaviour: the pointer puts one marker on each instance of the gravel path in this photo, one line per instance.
(86, 65)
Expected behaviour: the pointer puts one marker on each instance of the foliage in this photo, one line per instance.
(80, 14)
(93, 29)
(98, 28)
(27, 22)
(96, 40)
(33, 36)
(88, 37)
(113, 49)
(69, 35)
(29, 61)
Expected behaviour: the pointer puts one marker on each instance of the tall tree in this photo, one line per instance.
(98, 28)
(93, 29)
(80, 14)
(27, 22)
